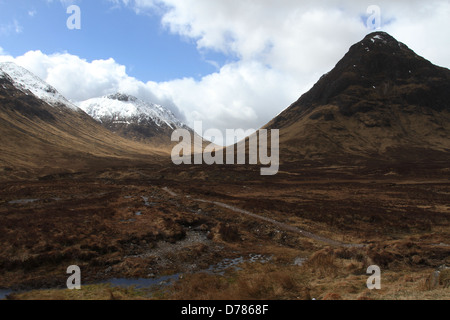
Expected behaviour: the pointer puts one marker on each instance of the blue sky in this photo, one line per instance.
(138, 41)
(233, 64)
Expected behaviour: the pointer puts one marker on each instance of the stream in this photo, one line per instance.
(149, 283)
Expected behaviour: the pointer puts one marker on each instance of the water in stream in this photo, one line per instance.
(4, 293)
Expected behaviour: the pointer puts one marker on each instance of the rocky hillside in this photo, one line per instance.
(381, 101)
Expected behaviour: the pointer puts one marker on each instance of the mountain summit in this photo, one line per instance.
(133, 118)
(381, 100)
(27, 82)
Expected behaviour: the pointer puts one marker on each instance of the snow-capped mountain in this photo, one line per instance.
(42, 133)
(132, 117)
(27, 82)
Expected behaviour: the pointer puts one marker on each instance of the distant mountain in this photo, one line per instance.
(28, 83)
(42, 132)
(133, 118)
(381, 101)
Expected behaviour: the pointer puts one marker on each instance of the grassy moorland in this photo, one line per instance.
(148, 222)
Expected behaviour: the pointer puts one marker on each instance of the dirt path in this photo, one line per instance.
(173, 194)
(280, 225)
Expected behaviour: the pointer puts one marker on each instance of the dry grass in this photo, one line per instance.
(322, 263)
(254, 282)
(329, 274)
(444, 278)
(91, 292)
(340, 274)
(91, 226)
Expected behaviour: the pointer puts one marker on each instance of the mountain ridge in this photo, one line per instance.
(27, 82)
(379, 99)
(133, 118)
(40, 134)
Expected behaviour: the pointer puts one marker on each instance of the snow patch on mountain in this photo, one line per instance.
(127, 109)
(27, 82)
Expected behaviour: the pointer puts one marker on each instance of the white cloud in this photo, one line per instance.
(240, 95)
(424, 29)
(17, 27)
(300, 35)
(11, 28)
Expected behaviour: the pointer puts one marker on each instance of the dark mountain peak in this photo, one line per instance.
(378, 71)
(122, 97)
(380, 57)
(381, 37)
(382, 47)
(381, 99)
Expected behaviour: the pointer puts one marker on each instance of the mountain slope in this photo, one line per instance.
(133, 118)
(29, 83)
(41, 132)
(380, 101)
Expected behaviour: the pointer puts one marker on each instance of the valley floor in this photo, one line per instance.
(227, 233)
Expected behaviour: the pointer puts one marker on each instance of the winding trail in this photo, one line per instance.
(280, 225)
(173, 194)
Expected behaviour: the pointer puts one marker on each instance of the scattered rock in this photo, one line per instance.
(299, 261)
